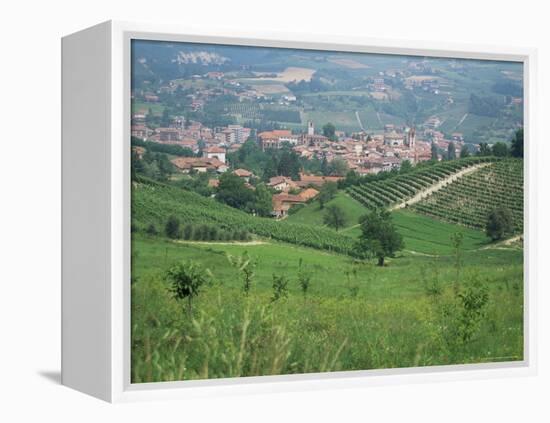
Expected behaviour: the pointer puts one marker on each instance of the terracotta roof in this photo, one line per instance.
(308, 194)
(215, 150)
(242, 173)
(190, 162)
(276, 180)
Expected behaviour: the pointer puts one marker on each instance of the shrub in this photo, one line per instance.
(186, 280)
(172, 228)
(152, 230)
(280, 287)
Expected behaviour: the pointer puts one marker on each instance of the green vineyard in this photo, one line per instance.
(395, 190)
(468, 200)
(153, 203)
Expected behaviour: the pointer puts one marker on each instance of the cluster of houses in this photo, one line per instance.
(365, 154)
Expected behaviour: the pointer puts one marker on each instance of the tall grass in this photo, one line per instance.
(233, 335)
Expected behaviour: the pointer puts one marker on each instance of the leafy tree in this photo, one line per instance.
(499, 223)
(164, 165)
(172, 228)
(304, 279)
(270, 168)
(289, 164)
(451, 151)
(187, 232)
(152, 230)
(325, 170)
(500, 149)
(280, 287)
(517, 144)
(484, 149)
(262, 203)
(379, 237)
(338, 167)
(464, 152)
(334, 217)
(473, 301)
(352, 178)
(327, 193)
(233, 192)
(329, 131)
(435, 156)
(187, 279)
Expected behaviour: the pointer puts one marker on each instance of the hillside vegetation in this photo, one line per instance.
(469, 199)
(153, 203)
(355, 316)
(394, 190)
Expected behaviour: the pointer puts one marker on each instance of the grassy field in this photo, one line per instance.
(355, 315)
(312, 214)
(422, 234)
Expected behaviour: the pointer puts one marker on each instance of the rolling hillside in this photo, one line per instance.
(468, 200)
(397, 190)
(154, 203)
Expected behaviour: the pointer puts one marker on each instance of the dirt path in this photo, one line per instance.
(437, 186)
(503, 244)
(461, 120)
(222, 243)
(359, 121)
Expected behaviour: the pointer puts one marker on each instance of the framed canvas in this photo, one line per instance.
(269, 212)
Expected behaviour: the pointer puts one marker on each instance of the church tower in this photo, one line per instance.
(310, 128)
(411, 138)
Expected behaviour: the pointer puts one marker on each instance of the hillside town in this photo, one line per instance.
(361, 152)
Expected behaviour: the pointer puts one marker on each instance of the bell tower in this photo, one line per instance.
(310, 128)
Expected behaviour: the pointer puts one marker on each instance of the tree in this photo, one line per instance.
(280, 287)
(464, 152)
(338, 167)
(327, 193)
(289, 164)
(262, 204)
(304, 279)
(334, 217)
(500, 149)
(172, 228)
(379, 237)
(233, 192)
(329, 131)
(187, 279)
(188, 231)
(499, 223)
(484, 149)
(451, 151)
(152, 230)
(435, 155)
(324, 166)
(517, 144)
(270, 168)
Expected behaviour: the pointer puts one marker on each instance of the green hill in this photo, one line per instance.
(312, 214)
(468, 200)
(153, 203)
(396, 189)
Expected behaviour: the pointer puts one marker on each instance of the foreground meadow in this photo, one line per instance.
(419, 310)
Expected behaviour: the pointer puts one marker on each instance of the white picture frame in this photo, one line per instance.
(96, 214)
